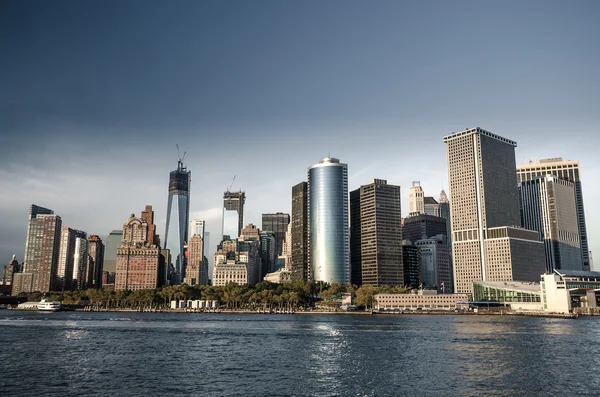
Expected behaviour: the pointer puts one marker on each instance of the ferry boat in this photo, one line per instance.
(47, 306)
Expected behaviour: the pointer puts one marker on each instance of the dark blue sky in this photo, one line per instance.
(94, 95)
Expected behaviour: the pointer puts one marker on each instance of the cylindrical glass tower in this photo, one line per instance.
(328, 221)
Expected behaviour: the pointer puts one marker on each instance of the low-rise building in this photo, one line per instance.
(230, 271)
(280, 276)
(518, 295)
(566, 290)
(422, 300)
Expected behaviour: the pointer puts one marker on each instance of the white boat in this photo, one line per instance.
(47, 306)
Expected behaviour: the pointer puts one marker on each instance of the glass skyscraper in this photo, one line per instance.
(329, 254)
(233, 214)
(178, 213)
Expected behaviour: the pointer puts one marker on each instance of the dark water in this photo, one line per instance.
(142, 354)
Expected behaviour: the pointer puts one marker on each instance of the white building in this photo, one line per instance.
(230, 272)
(280, 276)
(563, 291)
(416, 199)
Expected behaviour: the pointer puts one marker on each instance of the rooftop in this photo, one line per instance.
(576, 273)
(481, 131)
(522, 286)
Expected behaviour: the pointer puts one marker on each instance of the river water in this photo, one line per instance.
(178, 354)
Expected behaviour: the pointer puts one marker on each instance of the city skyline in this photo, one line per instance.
(319, 98)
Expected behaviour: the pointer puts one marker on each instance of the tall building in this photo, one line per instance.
(268, 252)
(96, 261)
(487, 245)
(197, 226)
(421, 226)
(233, 214)
(278, 224)
(138, 262)
(300, 265)
(431, 206)
(567, 170)
(237, 261)
(435, 264)
(378, 224)
(178, 216)
(113, 242)
(9, 271)
(444, 212)
(80, 260)
(196, 274)
(416, 199)
(329, 254)
(548, 206)
(66, 258)
(411, 263)
(41, 250)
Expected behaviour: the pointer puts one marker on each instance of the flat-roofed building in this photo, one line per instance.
(518, 295)
(422, 300)
(230, 271)
(565, 291)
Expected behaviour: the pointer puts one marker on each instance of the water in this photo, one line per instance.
(174, 354)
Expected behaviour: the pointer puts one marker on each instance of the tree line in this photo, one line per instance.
(264, 295)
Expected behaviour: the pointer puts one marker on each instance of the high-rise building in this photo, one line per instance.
(328, 252)
(138, 262)
(96, 261)
(431, 206)
(278, 224)
(300, 265)
(548, 206)
(487, 244)
(233, 214)
(113, 242)
(416, 199)
(435, 264)
(237, 261)
(411, 263)
(178, 217)
(197, 226)
(80, 260)
(421, 226)
(195, 261)
(41, 250)
(378, 224)
(444, 212)
(567, 170)
(9, 271)
(66, 258)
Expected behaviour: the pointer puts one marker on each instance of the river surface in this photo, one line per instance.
(179, 354)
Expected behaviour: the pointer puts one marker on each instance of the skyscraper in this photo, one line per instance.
(276, 223)
(41, 249)
(548, 206)
(138, 262)
(416, 198)
(64, 274)
(329, 254)
(487, 243)
(431, 206)
(233, 214)
(435, 264)
(422, 226)
(300, 265)
(80, 260)
(178, 214)
(113, 242)
(567, 170)
(196, 274)
(377, 222)
(96, 261)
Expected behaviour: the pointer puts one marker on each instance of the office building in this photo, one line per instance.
(421, 226)
(436, 272)
(432, 207)
(138, 262)
(66, 257)
(9, 271)
(231, 256)
(300, 265)
(376, 218)
(286, 252)
(80, 260)
(329, 255)
(280, 276)
(233, 214)
(421, 300)
(196, 274)
(444, 212)
(548, 206)
(198, 227)
(113, 242)
(487, 244)
(95, 261)
(268, 252)
(567, 170)
(178, 217)
(230, 271)
(278, 224)
(411, 265)
(416, 199)
(41, 250)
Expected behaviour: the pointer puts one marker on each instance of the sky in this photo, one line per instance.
(95, 95)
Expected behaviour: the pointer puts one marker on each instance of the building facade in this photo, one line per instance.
(329, 242)
(432, 207)
(376, 222)
(411, 264)
(95, 262)
(548, 206)
(421, 226)
(113, 242)
(196, 274)
(416, 199)
(230, 271)
(567, 170)
(9, 271)
(278, 224)
(299, 261)
(178, 217)
(485, 212)
(436, 272)
(42, 249)
(138, 262)
(66, 259)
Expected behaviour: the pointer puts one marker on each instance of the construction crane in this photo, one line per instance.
(179, 153)
(231, 184)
